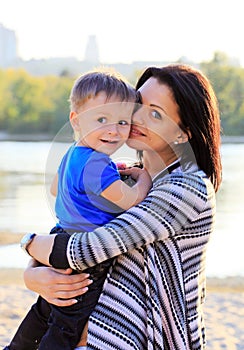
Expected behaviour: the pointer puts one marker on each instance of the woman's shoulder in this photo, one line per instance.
(185, 192)
(189, 178)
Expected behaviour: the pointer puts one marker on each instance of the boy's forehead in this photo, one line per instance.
(101, 98)
(102, 103)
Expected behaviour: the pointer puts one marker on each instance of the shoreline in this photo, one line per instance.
(7, 238)
(49, 138)
(233, 284)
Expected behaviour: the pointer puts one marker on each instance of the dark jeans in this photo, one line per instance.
(66, 324)
(49, 327)
(32, 328)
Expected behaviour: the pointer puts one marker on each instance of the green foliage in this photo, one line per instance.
(40, 104)
(228, 83)
(33, 104)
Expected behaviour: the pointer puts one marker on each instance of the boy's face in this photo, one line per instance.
(103, 124)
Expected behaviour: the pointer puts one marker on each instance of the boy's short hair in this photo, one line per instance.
(108, 81)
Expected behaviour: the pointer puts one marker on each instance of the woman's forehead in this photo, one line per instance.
(153, 89)
(155, 93)
(158, 95)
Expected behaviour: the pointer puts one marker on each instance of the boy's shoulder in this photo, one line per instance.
(86, 153)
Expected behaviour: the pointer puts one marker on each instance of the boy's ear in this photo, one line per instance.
(74, 120)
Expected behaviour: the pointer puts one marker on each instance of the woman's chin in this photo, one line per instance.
(135, 144)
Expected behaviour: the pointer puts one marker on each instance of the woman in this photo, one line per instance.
(153, 296)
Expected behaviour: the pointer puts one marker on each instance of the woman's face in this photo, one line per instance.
(155, 125)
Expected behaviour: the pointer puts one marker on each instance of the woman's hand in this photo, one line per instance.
(56, 286)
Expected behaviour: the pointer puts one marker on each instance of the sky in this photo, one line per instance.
(126, 30)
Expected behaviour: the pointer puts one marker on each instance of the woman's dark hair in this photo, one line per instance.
(198, 111)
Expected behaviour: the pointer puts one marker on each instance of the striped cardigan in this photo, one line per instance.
(153, 296)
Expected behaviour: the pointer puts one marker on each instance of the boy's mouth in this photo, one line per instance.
(109, 141)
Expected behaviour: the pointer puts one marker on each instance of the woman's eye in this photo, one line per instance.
(123, 122)
(156, 114)
(102, 120)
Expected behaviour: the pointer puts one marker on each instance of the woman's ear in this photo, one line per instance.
(74, 120)
(184, 136)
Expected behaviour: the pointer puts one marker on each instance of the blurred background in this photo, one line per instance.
(45, 45)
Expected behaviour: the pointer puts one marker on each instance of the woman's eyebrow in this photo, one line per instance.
(153, 105)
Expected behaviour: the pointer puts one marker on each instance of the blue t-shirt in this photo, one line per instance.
(82, 175)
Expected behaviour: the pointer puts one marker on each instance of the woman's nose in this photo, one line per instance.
(137, 117)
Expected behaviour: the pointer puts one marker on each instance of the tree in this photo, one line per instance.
(228, 83)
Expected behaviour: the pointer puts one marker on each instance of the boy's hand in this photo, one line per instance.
(135, 173)
(138, 175)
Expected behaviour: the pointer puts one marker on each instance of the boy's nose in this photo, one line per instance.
(112, 129)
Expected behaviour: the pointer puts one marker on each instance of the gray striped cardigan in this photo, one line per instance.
(153, 296)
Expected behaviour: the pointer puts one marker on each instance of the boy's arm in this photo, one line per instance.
(125, 196)
(54, 186)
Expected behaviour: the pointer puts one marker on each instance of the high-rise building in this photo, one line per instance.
(8, 46)
(92, 52)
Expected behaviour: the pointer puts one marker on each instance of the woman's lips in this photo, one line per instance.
(136, 132)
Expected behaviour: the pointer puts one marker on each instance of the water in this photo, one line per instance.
(225, 254)
(26, 204)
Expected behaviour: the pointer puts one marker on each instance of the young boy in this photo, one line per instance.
(89, 193)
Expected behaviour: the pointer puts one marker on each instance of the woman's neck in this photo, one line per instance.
(154, 163)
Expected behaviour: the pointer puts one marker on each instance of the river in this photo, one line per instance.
(26, 169)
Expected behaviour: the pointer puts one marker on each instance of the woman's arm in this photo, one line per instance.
(173, 203)
(58, 287)
(41, 247)
(169, 207)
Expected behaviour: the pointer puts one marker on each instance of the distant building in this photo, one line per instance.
(8, 47)
(92, 52)
(69, 66)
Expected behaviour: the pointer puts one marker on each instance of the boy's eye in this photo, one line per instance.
(102, 120)
(156, 114)
(123, 122)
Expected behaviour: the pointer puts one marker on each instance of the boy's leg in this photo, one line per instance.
(32, 328)
(66, 323)
(65, 326)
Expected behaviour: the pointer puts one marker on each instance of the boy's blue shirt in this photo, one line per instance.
(82, 175)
